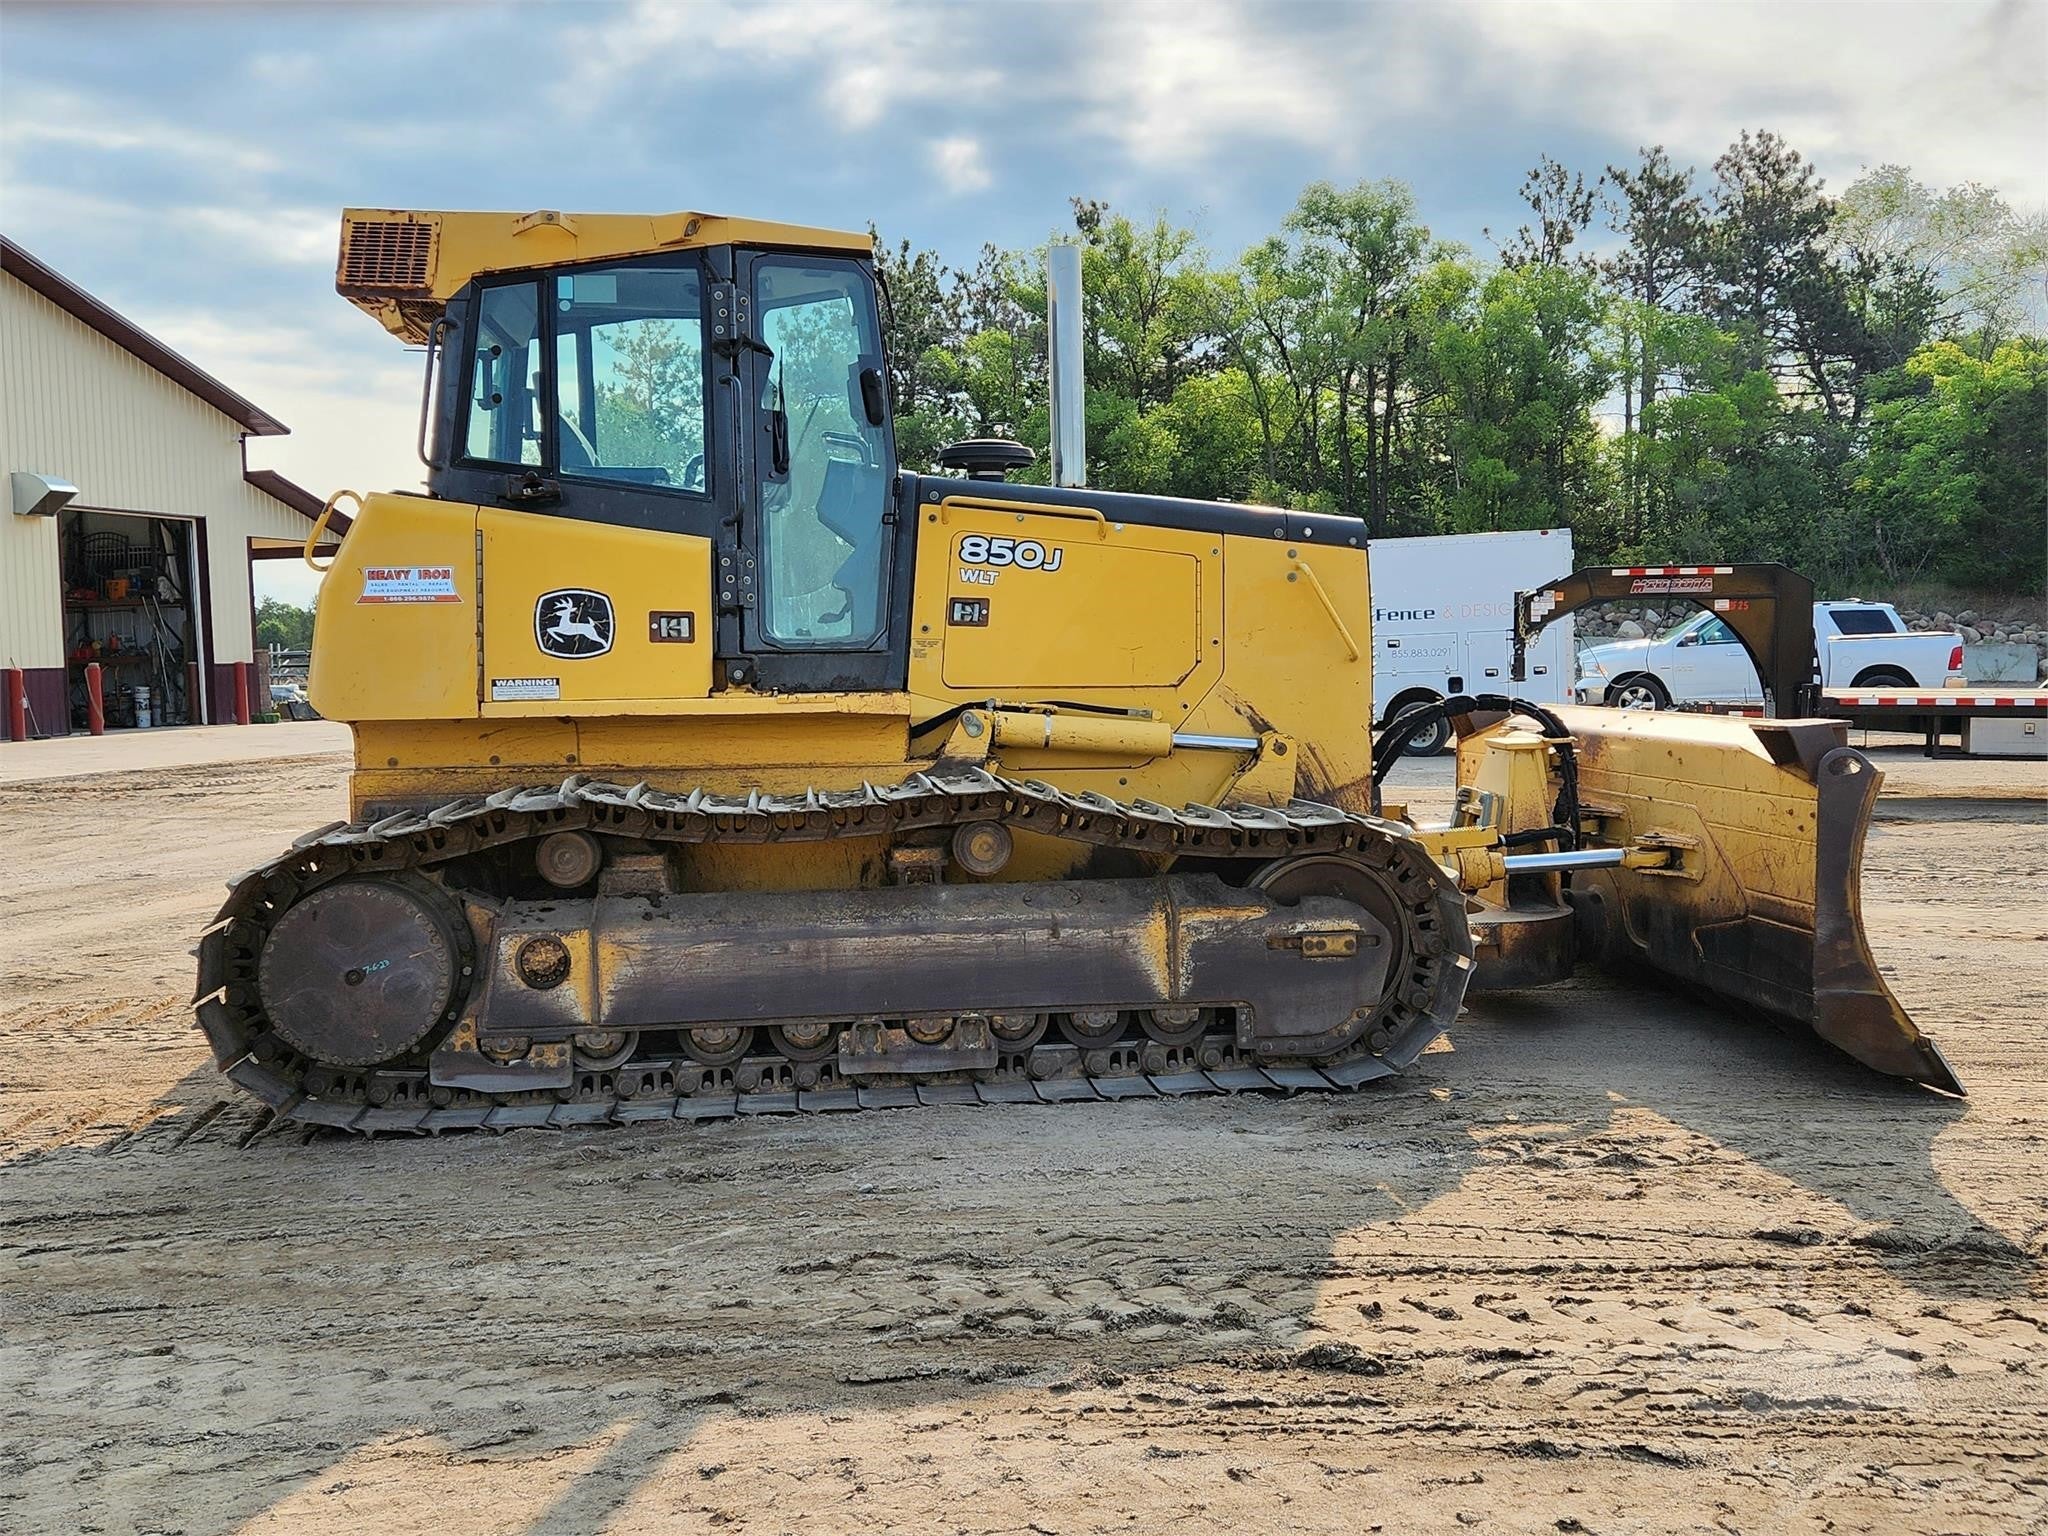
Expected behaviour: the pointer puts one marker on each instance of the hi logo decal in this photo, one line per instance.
(573, 623)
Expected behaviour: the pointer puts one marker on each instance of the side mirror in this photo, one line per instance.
(1691, 639)
(874, 398)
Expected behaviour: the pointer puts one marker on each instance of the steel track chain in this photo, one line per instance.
(228, 1011)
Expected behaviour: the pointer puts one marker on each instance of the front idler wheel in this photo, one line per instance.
(1382, 940)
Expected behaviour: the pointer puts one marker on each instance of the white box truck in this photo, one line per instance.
(1443, 608)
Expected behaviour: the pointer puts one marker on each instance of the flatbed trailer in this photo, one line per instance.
(1985, 721)
(1769, 608)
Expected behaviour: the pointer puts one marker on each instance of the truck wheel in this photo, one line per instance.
(1432, 740)
(1639, 692)
(1883, 677)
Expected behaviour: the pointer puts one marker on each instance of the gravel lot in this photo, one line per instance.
(1607, 1261)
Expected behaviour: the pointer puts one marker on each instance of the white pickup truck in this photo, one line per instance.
(1860, 645)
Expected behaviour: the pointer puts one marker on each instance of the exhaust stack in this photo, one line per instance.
(1064, 371)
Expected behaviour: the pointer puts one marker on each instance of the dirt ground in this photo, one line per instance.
(1605, 1262)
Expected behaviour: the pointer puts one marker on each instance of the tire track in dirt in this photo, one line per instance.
(1607, 1262)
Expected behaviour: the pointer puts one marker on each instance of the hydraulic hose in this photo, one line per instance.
(1394, 741)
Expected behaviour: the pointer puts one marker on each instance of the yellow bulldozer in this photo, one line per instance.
(708, 761)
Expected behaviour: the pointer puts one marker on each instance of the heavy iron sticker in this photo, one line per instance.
(409, 584)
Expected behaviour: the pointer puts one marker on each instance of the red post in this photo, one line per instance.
(241, 693)
(95, 701)
(17, 704)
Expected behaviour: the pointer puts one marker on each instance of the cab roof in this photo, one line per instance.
(402, 265)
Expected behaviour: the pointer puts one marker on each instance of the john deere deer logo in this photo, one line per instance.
(573, 623)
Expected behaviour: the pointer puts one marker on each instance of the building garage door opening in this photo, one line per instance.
(131, 604)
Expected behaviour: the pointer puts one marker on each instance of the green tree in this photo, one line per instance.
(1563, 203)
(1769, 275)
(1764, 347)
(1321, 321)
(1955, 481)
(283, 624)
(1522, 376)
(1654, 208)
(1145, 296)
(922, 336)
(1974, 267)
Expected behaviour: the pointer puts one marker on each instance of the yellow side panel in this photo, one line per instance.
(1028, 603)
(395, 637)
(1289, 656)
(625, 614)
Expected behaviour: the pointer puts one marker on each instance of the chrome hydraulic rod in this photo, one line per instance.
(1587, 858)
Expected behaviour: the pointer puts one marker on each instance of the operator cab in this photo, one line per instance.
(732, 394)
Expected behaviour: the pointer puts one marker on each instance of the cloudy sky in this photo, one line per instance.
(187, 164)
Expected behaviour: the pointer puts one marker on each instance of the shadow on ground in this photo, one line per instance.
(201, 1331)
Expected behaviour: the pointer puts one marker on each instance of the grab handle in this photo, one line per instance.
(1022, 509)
(320, 525)
(1330, 608)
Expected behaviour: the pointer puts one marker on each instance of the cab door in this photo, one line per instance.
(822, 588)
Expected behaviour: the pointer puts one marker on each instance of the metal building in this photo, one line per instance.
(128, 514)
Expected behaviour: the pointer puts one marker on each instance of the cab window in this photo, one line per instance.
(824, 477)
(1714, 632)
(505, 377)
(629, 376)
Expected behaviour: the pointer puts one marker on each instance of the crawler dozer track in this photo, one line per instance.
(385, 976)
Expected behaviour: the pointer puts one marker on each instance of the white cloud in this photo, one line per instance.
(43, 115)
(1173, 85)
(960, 164)
(220, 237)
(863, 58)
(1955, 91)
(285, 237)
(82, 218)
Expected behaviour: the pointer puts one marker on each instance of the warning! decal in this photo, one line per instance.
(517, 688)
(409, 584)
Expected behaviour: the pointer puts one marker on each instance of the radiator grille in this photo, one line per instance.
(387, 253)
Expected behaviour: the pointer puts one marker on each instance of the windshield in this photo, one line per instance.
(629, 361)
(1683, 626)
(626, 389)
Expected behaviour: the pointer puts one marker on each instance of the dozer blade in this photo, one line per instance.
(1764, 906)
